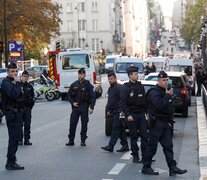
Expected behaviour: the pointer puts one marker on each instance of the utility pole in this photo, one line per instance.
(5, 34)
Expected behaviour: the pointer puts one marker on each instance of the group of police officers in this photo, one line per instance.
(128, 100)
(17, 103)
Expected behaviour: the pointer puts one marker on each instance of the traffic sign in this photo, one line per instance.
(15, 50)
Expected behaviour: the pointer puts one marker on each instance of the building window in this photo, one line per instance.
(82, 25)
(69, 7)
(94, 6)
(70, 25)
(95, 24)
(95, 44)
(82, 4)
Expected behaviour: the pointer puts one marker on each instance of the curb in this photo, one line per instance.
(202, 138)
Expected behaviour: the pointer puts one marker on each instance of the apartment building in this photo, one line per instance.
(88, 24)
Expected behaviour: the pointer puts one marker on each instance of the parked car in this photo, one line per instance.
(36, 71)
(110, 62)
(180, 91)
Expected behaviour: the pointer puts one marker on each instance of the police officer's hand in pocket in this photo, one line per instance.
(90, 111)
(130, 118)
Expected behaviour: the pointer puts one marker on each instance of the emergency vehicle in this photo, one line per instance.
(64, 66)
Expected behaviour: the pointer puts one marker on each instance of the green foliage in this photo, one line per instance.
(193, 22)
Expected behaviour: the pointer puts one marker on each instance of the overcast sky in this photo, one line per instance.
(167, 6)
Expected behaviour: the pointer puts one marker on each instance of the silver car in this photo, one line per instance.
(36, 71)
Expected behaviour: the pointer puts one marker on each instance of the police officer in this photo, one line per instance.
(113, 111)
(133, 104)
(28, 95)
(160, 111)
(82, 98)
(12, 104)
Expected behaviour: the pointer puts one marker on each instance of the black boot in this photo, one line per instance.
(175, 170)
(70, 143)
(12, 165)
(27, 142)
(136, 159)
(124, 148)
(148, 170)
(83, 142)
(108, 148)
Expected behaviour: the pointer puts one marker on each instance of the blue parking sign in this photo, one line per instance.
(15, 50)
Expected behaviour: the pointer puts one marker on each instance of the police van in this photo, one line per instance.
(121, 64)
(64, 66)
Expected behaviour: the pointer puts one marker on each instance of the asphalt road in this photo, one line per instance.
(49, 159)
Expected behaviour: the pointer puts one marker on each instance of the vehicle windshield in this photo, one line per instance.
(110, 60)
(2, 70)
(122, 67)
(185, 69)
(75, 61)
(175, 82)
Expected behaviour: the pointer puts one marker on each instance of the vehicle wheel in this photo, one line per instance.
(50, 96)
(185, 113)
(99, 92)
(63, 97)
(57, 95)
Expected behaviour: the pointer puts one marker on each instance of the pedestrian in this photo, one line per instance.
(160, 109)
(28, 95)
(113, 111)
(82, 99)
(12, 104)
(153, 67)
(133, 104)
(147, 69)
(199, 79)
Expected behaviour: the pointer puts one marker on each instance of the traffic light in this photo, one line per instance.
(1, 46)
(58, 46)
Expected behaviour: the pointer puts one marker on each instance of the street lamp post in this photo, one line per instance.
(5, 34)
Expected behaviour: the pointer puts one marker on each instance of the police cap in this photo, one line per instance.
(81, 71)
(111, 73)
(12, 65)
(162, 74)
(25, 73)
(132, 69)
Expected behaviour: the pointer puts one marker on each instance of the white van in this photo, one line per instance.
(69, 62)
(184, 65)
(122, 63)
(110, 62)
(159, 62)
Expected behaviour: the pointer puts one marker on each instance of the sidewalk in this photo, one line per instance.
(202, 138)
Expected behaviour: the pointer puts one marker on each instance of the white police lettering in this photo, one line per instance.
(140, 95)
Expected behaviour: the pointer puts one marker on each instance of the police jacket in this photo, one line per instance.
(113, 97)
(12, 95)
(133, 98)
(160, 104)
(28, 94)
(82, 92)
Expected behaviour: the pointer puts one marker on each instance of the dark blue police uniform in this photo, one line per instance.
(160, 112)
(133, 102)
(83, 93)
(113, 106)
(12, 104)
(28, 103)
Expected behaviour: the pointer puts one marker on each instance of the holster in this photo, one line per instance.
(151, 121)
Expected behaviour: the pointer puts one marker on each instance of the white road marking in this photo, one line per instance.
(117, 168)
(126, 155)
(107, 179)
